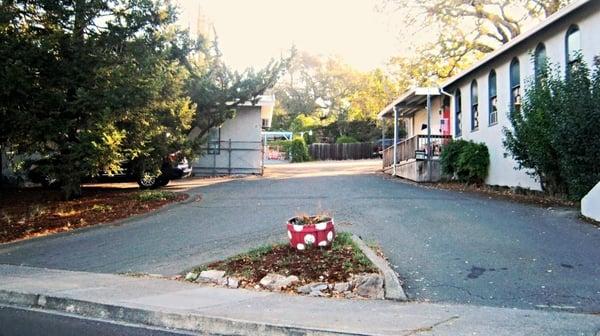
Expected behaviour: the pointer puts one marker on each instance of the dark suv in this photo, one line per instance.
(174, 167)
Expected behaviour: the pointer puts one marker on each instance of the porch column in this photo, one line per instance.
(382, 141)
(395, 139)
(429, 156)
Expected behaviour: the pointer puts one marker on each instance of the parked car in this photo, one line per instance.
(174, 167)
(380, 145)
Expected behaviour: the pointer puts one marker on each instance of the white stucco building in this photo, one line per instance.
(236, 147)
(482, 96)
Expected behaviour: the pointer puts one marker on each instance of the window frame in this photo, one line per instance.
(474, 106)
(514, 84)
(568, 61)
(457, 113)
(492, 98)
(540, 64)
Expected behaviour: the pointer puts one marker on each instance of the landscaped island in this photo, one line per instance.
(341, 270)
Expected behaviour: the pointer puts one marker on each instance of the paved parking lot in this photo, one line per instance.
(450, 247)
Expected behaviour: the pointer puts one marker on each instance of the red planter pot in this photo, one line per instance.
(302, 236)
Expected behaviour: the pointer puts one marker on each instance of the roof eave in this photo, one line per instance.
(519, 39)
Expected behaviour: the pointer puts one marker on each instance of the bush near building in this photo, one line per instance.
(465, 161)
(555, 132)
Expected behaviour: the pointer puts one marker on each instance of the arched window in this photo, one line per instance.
(493, 98)
(540, 60)
(457, 113)
(572, 46)
(474, 106)
(515, 84)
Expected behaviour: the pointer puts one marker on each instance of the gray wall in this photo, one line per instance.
(245, 154)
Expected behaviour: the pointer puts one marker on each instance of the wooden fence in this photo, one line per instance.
(349, 151)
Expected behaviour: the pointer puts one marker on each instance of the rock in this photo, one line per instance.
(191, 276)
(233, 282)
(349, 295)
(312, 287)
(341, 287)
(369, 285)
(316, 294)
(273, 281)
(213, 276)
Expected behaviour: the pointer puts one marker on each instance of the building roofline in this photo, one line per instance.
(396, 101)
(414, 93)
(517, 40)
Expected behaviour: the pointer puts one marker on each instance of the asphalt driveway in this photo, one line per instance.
(449, 247)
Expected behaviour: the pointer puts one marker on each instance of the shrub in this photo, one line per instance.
(473, 162)
(449, 156)
(308, 139)
(299, 150)
(284, 145)
(346, 139)
(554, 134)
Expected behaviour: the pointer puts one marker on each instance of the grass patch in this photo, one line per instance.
(155, 195)
(336, 263)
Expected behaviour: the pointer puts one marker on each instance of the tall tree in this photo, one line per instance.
(316, 85)
(467, 30)
(89, 83)
(216, 89)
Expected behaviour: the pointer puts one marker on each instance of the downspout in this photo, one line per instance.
(447, 95)
(450, 96)
(395, 140)
(444, 92)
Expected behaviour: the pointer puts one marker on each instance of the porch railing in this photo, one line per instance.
(407, 149)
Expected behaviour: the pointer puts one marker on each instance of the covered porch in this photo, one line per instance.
(425, 119)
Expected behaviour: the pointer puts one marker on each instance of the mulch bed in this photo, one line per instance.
(516, 195)
(333, 264)
(30, 212)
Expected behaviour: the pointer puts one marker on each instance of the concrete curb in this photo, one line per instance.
(393, 288)
(186, 321)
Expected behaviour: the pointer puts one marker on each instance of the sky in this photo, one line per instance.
(251, 32)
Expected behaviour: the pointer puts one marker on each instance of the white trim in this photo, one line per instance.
(517, 40)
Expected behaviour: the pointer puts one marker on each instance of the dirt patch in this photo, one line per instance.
(519, 195)
(334, 264)
(513, 194)
(26, 213)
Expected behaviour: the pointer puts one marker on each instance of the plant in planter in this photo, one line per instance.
(305, 231)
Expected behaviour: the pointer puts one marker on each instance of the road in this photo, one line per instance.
(20, 322)
(448, 246)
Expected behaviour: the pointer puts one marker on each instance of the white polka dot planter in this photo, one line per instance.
(319, 232)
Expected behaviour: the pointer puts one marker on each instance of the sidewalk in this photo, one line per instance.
(173, 304)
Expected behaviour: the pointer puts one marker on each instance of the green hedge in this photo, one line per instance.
(346, 139)
(466, 161)
(449, 156)
(284, 144)
(299, 150)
